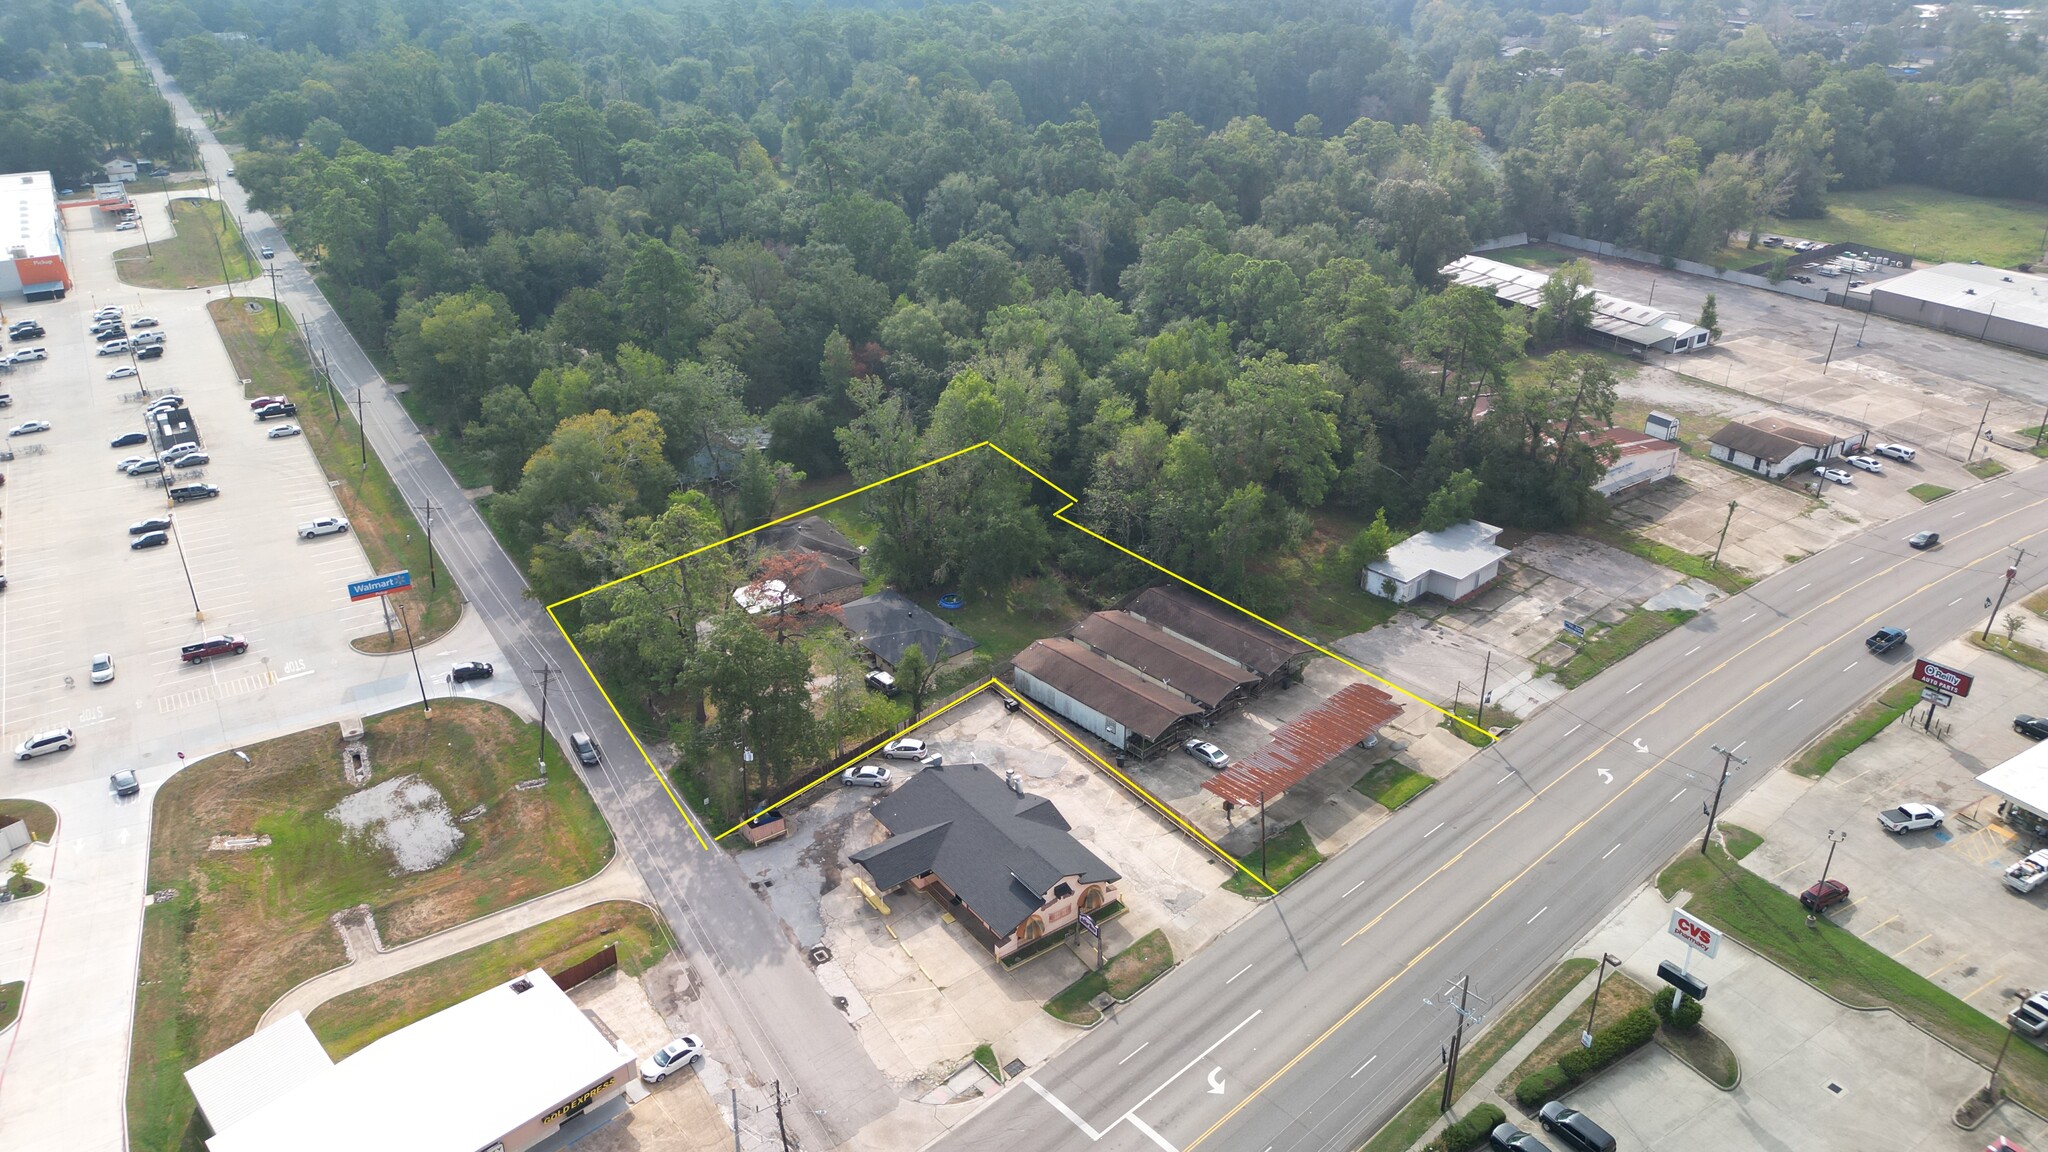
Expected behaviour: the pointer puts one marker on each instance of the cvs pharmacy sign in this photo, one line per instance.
(1703, 937)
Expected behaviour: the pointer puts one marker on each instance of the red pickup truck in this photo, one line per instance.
(213, 646)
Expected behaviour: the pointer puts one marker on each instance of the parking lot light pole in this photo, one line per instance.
(426, 705)
(197, 614)
(1606, 958)
(1834, 838)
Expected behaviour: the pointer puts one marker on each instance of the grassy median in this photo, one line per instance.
(1610, 646)
(42, 820)
(247, 924)
(206, 250)
(1857, 730)
(1122, 975)
(1392, 784)
(1289, 853)
(269, 353)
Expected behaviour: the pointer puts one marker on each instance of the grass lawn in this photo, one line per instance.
(1607, 647)
(193, 257)
(1929, 493)
(1619, 996)
(1750, 909)
(1539, 256)
(1005, 625)
(1858, 729)
(1929, 224)
(1740, 841)
(1129, 970)
(1470, 731)
(42, 820)
(1289, 853)
(1684, 563)
(352, 1020)
(1703, 1051)
(1326, 602)
(2037, 433)
(274, 361)
(246, 926)
(1393, 783)
(2017, 651)
(985, 1055)
(1479, 1057)
(1984, 469)
(2037, 603)
(10, 1001)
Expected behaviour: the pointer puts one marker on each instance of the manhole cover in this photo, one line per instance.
(1835, 1088)
(839, 1002)
(820, 954)
(1103, 1002)
(1013, 1068)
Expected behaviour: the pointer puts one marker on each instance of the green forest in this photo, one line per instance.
(651, 267)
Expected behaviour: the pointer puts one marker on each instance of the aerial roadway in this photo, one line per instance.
(1309, 1024)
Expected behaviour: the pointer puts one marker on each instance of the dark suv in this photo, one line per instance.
(213, 646)
(584, 748)
(1575, 1128)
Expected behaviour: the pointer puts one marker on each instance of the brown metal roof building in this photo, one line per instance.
(1228, 633)
(1306, 743)
(1098, 694)
(1207, 679)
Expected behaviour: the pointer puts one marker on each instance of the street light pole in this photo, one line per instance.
(426, 706)
(189, 585)
(428, 510)
(1834, 838)
(545, 672)
(2011, 570)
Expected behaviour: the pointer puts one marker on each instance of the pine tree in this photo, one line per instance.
(1710, 319)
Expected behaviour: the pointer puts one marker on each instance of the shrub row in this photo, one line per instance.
(1470, 1132)
(1609, 1045)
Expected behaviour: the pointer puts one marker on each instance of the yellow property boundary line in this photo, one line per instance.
(1060, 515)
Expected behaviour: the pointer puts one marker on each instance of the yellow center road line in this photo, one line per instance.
(1439, 941)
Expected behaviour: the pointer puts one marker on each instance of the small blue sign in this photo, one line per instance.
(380, 585)
(1578, 630)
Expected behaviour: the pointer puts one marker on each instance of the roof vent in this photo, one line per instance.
(1015, 782)
(522, 985)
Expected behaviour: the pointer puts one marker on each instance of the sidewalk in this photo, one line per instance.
(617, 880)
(1483, 1092)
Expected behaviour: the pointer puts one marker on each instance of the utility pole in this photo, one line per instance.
(1450, 1055)
(428, 510)
(1727, 755)
(1991, 1087)
(1716, 561)
(2011, 570)
(1859, 331)
(780, 1129)
(547, 672)
(2042, 430)
(1262, 833)
(1971, 454)
(276, 317)
(426, 706)
(1831, 350)
(362, 425)
(1485, 674)
(735, 1120)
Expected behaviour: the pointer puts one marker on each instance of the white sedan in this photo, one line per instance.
(144, 322)
(284, 430)
(674, 1056)
(1909, 817)
(123, 372)
(102, 668)
(1207, 753)
(1867, 463)
(904, 749)
(865, 776)
(28, 426)
(1837, 475)
(325, 526)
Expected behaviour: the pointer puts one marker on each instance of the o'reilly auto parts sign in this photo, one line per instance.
(1943, 677)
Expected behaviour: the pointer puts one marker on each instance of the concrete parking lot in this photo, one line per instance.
(679, 1114)
(1930, 899)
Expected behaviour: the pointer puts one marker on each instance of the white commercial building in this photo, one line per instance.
(2023, 783)
(33, 237)
(1974, 300)
(1453, 564)
(1616, 322)
(508, 1070)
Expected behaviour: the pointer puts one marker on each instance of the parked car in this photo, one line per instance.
(2032, 727)
(124, 783)
(283, 431)
(145, 468)
(262, 402)
(26, 332)
(213, 646)
(165, 403)
(1508, 1138)
(273, 411)
(1909, 818)
(114, 348)
(186, 493)
(153, 352)
(1823, 895)
(673, 1057)
(880, 681)
(44, 743)
(1836, 475)
(110, 312)
(2027, 874)
(144, 322)
(29, 428)
(1206, 752)
(149, 540)
(1924, 540)
(128, 462)
(190, 460)
(177, 452)
(1575, 1128)
(585, 749)
(28, 354)
(865, 776)
(2031, 1017)
(147, 339)
(102, 668)
(1867, 463)
(128, 439)
(904, 749)
(1897, 452)
(125, 226)
(153, 524)
(123, 372)
(471, 670)
(325, 526)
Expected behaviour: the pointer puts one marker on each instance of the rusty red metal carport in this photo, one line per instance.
(1306, 743)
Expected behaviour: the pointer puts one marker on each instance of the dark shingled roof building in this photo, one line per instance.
(888, 623)
(1002, 855)
(809, 534)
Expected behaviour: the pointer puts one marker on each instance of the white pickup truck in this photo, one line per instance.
(2029, 873)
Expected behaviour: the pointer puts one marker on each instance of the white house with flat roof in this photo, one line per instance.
(1453, 564)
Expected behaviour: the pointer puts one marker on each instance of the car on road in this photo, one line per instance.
(1884, 640)
(1836, 475)
(325, 526)
(273, 411)
(1575, 1128)
(145, 322)
(471, 670)
(1206, 752)
(673, 1057)
(1867, 463)
(231, 173)
(124, 372)
(213, 646)
(1508, 1138)
(1910, 818)
(1897, 452)
(268, 252)
(149, 540)
(2031, 1017)
(26, 355)
(153, 352)
(1823, 895)
(584, 747)
(102, 668)
(284, 431)
(124, 784)
(865, 776)
(153, 524)
(904, 749)
(2032, 727)
(1923, 540)
(128, 439)
(44, 743)
(29, 428)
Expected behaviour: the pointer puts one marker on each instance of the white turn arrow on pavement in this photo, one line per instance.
(1642, 747)
(1215, 1081)
(1606, 776)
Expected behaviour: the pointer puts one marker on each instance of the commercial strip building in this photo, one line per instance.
(32, 237)
(1774, 448)
(1640, 458)
(1451, 564)
(1620, 324)
(513, 1069)
(2023, 784)
(1990, 304)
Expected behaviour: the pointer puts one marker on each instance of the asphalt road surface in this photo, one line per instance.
(1310, 1023)
(755, 988)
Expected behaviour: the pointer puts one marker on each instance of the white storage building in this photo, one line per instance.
(1974, 300)
(1616, 322)
(1453, 564)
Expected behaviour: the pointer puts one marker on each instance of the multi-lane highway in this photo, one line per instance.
(1310, 1022)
